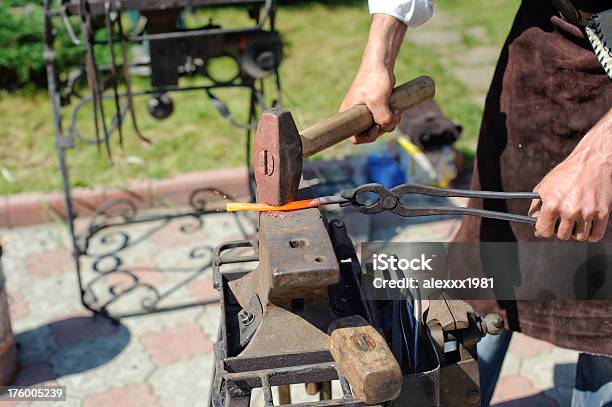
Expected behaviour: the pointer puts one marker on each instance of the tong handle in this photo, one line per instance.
(483, 213)
(358, 118)
(460, 193)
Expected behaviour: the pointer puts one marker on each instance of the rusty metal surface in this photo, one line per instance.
(459, 384)
(277, 157)
(283, 332)
(297, 251)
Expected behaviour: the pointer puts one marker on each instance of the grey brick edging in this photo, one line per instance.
(30, 208)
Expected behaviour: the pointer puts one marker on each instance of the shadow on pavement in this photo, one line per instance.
(68, 346)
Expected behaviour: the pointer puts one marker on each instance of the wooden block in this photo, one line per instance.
(365, 360)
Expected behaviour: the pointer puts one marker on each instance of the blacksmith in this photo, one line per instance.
(547, 126)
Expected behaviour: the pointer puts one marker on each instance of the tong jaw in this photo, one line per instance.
(387, 200)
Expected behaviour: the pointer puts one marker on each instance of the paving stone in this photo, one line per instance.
(563, 355)
(30, 240)
(185, 232)
(209, 318)
(192, 389)
(157, 322)
(70, 401)
(146, 271)
(128, 242)
(50, 263)
(132, 364)
(477, 31)
(477, 56)
(18, 306)
(187, 258)
(525, 347)
(551, 375)
(14, 272)
(440, 19)
(12, 403)
(45, 307)
(513, 387)
(177, 343)
(133, 394)
(511, 365)
(436, 38)
(203, 290)
(477, 78)
(478, 98)
(85, 383)
(539, 371)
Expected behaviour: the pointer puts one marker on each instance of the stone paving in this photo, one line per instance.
(473, 65)
(165, 359)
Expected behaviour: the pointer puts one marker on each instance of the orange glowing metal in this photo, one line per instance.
(291, 206)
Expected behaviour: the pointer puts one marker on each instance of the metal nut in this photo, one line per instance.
(245, 317)
(389, 202)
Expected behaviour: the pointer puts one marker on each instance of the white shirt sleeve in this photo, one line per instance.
(412, 12)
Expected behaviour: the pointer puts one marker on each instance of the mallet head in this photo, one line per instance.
(277, 157)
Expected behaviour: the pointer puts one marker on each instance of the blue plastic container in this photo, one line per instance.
(384, 169)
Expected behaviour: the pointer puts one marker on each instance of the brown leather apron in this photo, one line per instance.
(547, 92)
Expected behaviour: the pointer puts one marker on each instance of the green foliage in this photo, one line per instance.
(21, 45)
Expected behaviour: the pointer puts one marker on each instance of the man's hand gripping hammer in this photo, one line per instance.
(279, 149)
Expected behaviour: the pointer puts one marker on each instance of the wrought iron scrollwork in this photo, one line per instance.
(107, 248)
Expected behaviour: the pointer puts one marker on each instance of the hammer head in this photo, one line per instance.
(277, 157)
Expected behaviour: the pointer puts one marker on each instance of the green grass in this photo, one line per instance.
(324, 42)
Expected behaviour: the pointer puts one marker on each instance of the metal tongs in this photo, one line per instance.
(391, 200)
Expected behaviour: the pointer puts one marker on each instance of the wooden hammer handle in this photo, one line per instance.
(358, 118)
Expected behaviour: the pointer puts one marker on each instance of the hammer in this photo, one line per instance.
(279, 149)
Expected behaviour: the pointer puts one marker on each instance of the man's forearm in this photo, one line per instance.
(577, 194)
(384, 41)
(374, 80)
(596, 145)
